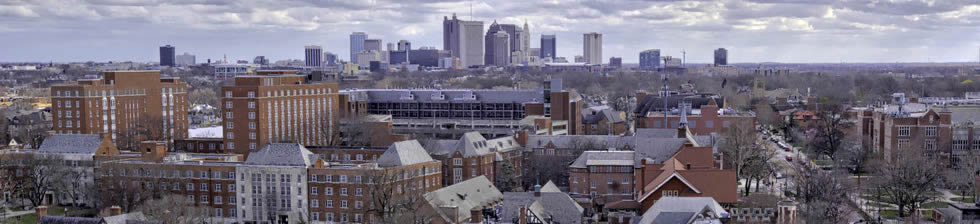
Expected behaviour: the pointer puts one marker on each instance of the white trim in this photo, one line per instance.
(668, 180)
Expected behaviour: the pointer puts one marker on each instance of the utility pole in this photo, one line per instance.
(683, 57)
(664, 92)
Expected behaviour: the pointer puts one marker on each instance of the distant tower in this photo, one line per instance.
(548, 46)
(168, 56)
(314, 55)
(356, 44)
(650, 59)
(592, 48)
(721, 56)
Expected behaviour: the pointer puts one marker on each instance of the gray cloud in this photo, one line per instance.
(753, 30)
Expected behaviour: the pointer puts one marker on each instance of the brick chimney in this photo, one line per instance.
(153, 151)
(521, 137)
(41, 211)
(523, 216)
(115, 210)
(476, 215)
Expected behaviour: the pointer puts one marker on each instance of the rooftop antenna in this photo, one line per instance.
(683, 57)
(471, 10)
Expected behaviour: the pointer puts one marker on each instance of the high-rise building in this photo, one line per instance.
(500, 48)
(471, 43)
(490, 56)
(278, 106)
(168, 56)
(185, 59)
(356, 44)
(427, 56)
(721, 56)
(314, 56)
(372, 45)
(548, 46)
(592, 48)
(329, 58)
(525, 44)
(616, 62)
(404, 45)
(650, 59)
(451, 35)
(132, 106)
(260, 60)
(391, 47)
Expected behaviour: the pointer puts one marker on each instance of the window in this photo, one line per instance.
(217, 187)
(251, 115)
(229, 115)
(228, 94)
(229, 125)
(251, 94)
(314, 204)
(328, 204)
(929, 144)
(231, 188)
(316, 215)
(343, 191)
(190, 187)
(358, 192)
(457, 161)
(328, 190)
(609, 181)
(204, 187)
(904, 131)
(903, 143)
(251, 125)
(343, 204)
(931, 131)
(228, 104)
(329, 217)
(217, 200)
(251, 105)
(592, 184)
(204, 199)
(314, 191)
(626, 180)
(669, 193)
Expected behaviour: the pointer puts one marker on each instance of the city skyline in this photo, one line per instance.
(752, 31)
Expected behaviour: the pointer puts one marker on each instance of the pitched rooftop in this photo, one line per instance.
(281, 154)
(404, 153)
(71, 143)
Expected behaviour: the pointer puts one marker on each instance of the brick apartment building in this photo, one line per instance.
(130, 105)
(473, 155)
(344, 192)
(677, 167)
(703, 114)
(603, 122)
(206, 180)
(278, 106)
(946, 132)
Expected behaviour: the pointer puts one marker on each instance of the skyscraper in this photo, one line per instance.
(372, 45)
(314, 56)
(592, 48)
(650, 59)
(168, 56)
(500, 48)
(525, 39)
(721, 56)
(329, 58)
(451, 35)
(616, 62)
(185, 59)
(548, 46)
(490, 56)
(471, 43)
(356, 44)
(404, 45)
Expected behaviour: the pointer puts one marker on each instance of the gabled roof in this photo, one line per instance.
(404, 153)
(71, 143)
(669, 172)
(464, 196)
(557, 206)
(281, 154)
(69, 220)
(608, 115)
(658, 150)
(604, 158)
(472, 144)
(550, 187)
(671, 210)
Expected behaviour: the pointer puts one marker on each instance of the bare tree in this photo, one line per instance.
(821, 195)
(172, 208)
(909, 181)
(352, 131)
(34, 176)
(741, 151)
(830, 133)
(394, 199)
(205, 96)
(72, 184)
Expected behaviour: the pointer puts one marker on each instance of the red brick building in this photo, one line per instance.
(703, 115)
(278, 107)
(130, 105)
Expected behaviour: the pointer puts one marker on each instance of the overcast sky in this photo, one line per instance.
(752, 30)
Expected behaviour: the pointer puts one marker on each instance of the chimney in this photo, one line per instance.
(537, 190)
(41, 211)
(521, 137)
(153, 151)
(522, 218)
(115, 210)
(476, 215)
(682, 132)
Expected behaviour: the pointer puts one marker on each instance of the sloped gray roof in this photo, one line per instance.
(673, 217)
(472, 144)
(71, 143)
(656, 133)
(465, 196)
(656, 103)
(557, 206)
(658, 149)
(404, 153)
(281, 154)
(608, 115)
(440, 146)
(963, 116)
(674, 207)
(618, 158)
(68, 220)
(566, 141)
(451, 95)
